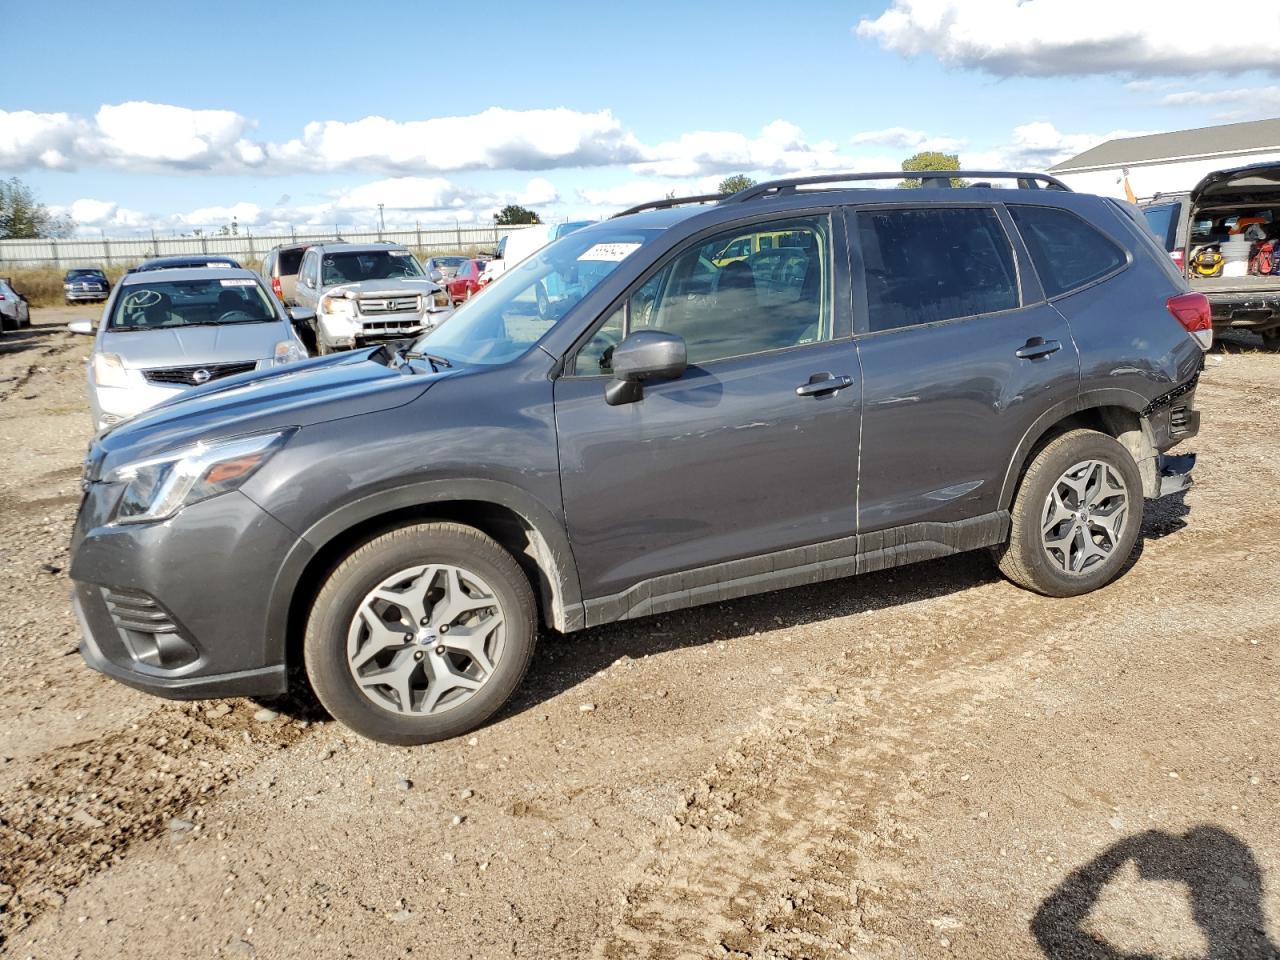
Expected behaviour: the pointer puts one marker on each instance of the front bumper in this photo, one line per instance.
(93, 296)
(179, 608)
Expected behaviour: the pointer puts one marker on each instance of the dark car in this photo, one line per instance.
(1225, 236)
(81, 284)
(186, 262)
(924, 372)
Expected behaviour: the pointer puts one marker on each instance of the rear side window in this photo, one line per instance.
(1162, 222)
(1067, 252)
(290, 260)
(935, 264)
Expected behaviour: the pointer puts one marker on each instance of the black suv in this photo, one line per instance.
(694, 401)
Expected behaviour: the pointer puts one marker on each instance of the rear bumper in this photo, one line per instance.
(1246, 311)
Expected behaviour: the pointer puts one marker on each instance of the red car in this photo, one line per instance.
(466, 282)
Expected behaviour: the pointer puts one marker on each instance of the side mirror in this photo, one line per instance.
(435, 276)
(301, 314)
(81, 326)
(644, 355)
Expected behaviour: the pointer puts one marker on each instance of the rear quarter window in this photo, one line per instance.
(290, 261)
(1067, 252)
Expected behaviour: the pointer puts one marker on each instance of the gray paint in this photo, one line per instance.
(716, 484)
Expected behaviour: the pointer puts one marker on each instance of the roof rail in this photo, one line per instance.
(668, 202)
(930, 178)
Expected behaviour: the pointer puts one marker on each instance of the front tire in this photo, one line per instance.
(1271, 340)
(421, 634)
(1076, 517)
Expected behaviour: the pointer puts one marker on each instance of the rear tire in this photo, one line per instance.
(1076, 517)
(390, 640)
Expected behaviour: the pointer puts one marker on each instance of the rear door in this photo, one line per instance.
(960, 355)
(752, 452)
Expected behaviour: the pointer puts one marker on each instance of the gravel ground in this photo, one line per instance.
(925, 762)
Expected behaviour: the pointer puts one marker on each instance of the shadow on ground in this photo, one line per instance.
(1224, 887)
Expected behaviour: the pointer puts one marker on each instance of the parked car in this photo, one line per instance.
(448, 266)
(519, 244)
(186, 262)
(280, 268)
(956, 369)
(354, 294)
(1196, 227)
(466, 280)
(85, 283)
(14, 310)
(163, 333)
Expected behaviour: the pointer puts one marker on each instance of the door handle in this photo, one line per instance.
(1037, 347)
(823, 383)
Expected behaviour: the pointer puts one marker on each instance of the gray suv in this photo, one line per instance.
(875, 377)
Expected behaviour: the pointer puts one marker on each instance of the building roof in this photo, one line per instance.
(1225, 140)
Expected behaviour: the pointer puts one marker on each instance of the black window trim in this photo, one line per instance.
(839, 286)
(1125, 264)
(1022, 268)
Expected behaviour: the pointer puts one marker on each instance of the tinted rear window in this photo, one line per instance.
(290, 260)
(938, 264)
(1161, 221)
(1067, 252)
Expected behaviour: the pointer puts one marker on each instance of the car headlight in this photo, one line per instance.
(160, 487)
(337, 306)
(109, 371)
(289, 351)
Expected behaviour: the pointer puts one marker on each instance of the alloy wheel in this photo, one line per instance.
(425, 639)
(1084, 516)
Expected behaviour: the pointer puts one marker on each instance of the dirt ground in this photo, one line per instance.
(925, 762)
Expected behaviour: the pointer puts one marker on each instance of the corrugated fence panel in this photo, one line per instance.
(108, 251)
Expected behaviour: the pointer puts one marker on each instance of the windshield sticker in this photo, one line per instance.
(612, 252)
(218, 263)
(399, 253)
(243, 282)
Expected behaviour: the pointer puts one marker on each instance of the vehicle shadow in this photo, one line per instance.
(1224, 887)
(1165, 516)
(15, 341)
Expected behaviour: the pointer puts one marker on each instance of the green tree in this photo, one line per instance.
(513, 214)
(23, 217)
(739, 181)
(931, 160)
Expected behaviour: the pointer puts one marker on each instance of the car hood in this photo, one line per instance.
(394, 287)
(189, 346)
(295, 395)
(1239, 183)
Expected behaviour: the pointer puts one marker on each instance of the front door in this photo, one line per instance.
(959, 358)
(752, 452)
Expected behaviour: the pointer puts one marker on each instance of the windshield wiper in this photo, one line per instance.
(431, 358)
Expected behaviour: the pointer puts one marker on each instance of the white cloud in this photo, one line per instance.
(1063, 37)
(780, 148)
(632, 192)
(245, 214)
(1244, 103)
(161, 135)
(49, 140)
(902, 138)
(1037, 146)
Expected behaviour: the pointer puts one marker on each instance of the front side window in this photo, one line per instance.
(186, 303)
(939, 263)
(730, 307)
(357, 265)
(526, 301)
(1067, 252)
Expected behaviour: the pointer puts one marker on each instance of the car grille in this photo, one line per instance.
(389, 305)
(376, 328)
(88, 287)
(146, 629)
(192, 376)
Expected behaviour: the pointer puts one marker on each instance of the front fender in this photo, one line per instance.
(555, 557)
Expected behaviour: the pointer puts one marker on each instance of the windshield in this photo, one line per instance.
(185, 303)
(448, 261)
(84, 274)
(354, 266)
(524, 303)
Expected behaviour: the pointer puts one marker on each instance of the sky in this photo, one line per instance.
(174, 117)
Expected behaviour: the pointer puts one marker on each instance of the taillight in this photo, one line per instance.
(1192, 310)
(275, 286)
(1179, 260)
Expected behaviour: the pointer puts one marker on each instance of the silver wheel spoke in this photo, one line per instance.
(426, 639)
(1084, 516)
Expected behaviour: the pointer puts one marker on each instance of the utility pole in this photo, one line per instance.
(382, 224)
